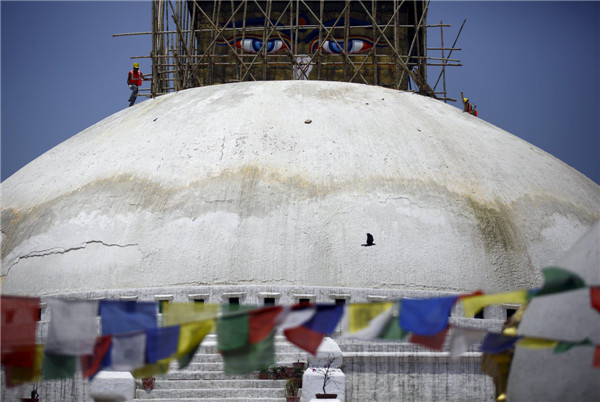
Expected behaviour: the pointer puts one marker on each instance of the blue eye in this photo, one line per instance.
(254, 45)
(354, 46)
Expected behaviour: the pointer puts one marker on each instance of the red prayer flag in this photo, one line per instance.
(597, 357)
(19, 320)
(435, 342)
(304, 338)
(261, 322)
(15, 375)
(475, 293)
(595, 297)
(90, 364)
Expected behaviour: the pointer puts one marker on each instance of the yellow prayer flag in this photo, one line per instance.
(192, 334)
(150, 370)
(361, 314)
(537, 343)
(472, 304)
(22, 375)
(181, 313)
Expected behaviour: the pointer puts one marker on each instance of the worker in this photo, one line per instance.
(134, 81)
(467, 106)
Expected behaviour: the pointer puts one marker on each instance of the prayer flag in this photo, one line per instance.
(56, 367)
(537, 343)
(73, 327)
(161, 367)
(595, 297)
(325, 318)
(462, 338)
(366, 320)
(15, 375)
(304, 338)
(181, 313)
(91, 364)
(250, 357)
(19, 320)
(426, 316)
(294, 316)
(559, 280)
(128, 351)
(309, 335)
(496, 343)
(596, 362)
(262, 322)
(392, 330)
(435, 341)
(562, 347)
(191, 336)
(473, 304)
(161, 343)
(232, 331)
(118, 316)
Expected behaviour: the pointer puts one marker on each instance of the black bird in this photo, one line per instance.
(369, 241)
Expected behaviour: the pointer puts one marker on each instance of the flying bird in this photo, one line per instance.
(369, 241)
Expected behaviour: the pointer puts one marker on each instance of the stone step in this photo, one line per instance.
(213, 366)
(214, 393)
(285, 358)
(206, 375)
(211, 399)
(280, 348)
(218, 383)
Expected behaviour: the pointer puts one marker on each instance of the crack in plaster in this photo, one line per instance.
(61, 250)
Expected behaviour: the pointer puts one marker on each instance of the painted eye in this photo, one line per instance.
(354, 46)
(254, 45)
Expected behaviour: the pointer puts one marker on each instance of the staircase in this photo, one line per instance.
(204, 379)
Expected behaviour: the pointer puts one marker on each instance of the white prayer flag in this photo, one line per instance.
(462, 338)
(128, 351)
(73, 327)
(292, 318)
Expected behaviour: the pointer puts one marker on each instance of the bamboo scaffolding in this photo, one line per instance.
(205, 43)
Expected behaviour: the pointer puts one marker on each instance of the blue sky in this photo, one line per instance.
(532, 68)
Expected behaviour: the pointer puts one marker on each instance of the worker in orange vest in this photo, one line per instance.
(134, 80)
(467, 106)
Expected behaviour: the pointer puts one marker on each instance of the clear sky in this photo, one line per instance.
(532, 68)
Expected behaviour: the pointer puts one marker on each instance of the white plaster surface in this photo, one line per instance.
(113, 386)
(227, 185)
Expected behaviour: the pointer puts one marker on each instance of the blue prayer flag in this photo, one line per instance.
(426, 316)
(161, 343)
(325, 319)
(126, 316)
(496, 343)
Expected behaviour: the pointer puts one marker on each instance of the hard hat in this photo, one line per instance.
(464, 99)
(136, 65)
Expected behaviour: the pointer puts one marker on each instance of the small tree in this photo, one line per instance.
(326, 371)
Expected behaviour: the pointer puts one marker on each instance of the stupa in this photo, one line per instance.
(259, 192)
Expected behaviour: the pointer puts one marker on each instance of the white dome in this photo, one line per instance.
(277, 183)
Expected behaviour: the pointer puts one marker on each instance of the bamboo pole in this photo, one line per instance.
(443, 56)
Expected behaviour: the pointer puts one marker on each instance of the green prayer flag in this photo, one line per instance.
(392, 330)
(559, 280)
(232, 331)
(562, 347)
(250, 357)
(55, 367)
